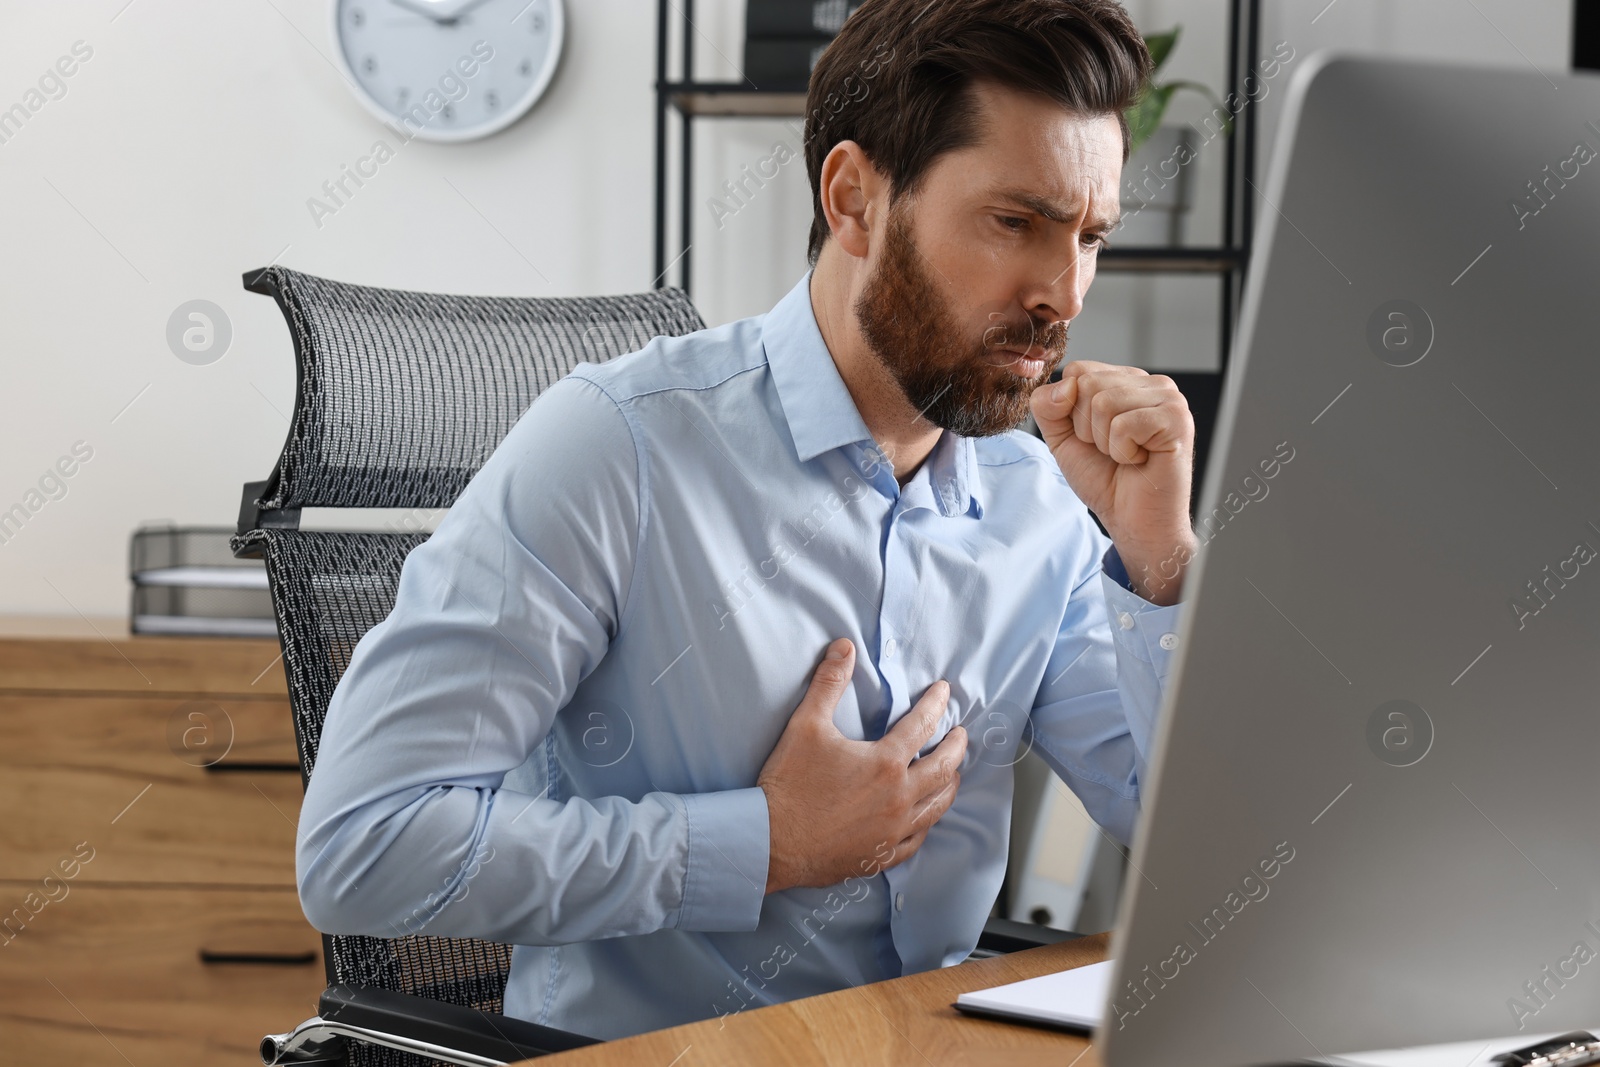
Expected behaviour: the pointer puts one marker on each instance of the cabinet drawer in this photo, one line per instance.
(111, 974)
(140, 780)
(119, 663)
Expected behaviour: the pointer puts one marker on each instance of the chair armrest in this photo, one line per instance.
(451, 1026)
(1006, 935)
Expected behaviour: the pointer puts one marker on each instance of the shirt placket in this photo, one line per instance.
(895, 622)
(899, 595)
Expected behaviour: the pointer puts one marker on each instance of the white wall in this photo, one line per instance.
(184, 152)
(186, 147)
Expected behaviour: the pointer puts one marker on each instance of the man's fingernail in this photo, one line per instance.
(838, 650)
(1060, 393)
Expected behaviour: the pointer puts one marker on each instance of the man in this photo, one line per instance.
(595, 726)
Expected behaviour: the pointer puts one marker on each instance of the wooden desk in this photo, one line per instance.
(902, 1021)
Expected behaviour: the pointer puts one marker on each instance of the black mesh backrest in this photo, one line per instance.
(401, 397)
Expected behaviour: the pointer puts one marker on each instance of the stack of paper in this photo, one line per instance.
(1076, 1000)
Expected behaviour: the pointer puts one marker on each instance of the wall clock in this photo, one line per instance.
(448, 70)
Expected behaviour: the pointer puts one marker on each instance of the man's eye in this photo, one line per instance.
(1098, 239)
(1008, 220)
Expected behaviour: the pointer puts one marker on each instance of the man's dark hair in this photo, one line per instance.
(897, 79)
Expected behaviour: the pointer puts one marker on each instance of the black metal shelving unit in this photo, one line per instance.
(694, 100)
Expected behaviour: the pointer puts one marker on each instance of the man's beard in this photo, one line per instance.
(959, 386)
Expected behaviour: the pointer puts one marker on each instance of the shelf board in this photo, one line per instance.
(740, 99)
(1171, 260)
(204, 577)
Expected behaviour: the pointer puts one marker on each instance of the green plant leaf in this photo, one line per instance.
(1160, 46)
(1145, 115)
(1205, 91)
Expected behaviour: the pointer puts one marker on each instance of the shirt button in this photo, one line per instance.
(889, 647)
(1169, 641)
(1125, 620)
(899, 902)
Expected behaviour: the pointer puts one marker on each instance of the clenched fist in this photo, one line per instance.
(1124, 440)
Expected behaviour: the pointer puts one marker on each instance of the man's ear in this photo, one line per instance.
(852, 192)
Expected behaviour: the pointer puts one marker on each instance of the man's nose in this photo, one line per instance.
(1060, 294)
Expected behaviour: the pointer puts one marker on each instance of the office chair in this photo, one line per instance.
(400, 397)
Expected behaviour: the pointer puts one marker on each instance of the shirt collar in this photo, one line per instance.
(822, 415)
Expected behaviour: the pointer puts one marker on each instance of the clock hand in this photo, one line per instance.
(463, 6)
(441, 11)
(433, 9)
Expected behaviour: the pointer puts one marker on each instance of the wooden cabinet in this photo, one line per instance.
(113, 970)
(149, 792)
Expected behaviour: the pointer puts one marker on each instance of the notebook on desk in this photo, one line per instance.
(1075, 1000)
(1069, 1000)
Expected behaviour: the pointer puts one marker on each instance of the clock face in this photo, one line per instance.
(448, 70)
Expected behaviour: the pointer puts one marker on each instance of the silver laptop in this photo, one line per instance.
(1374, 813)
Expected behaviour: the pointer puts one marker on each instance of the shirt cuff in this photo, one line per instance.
(1112, 562)
(725, 878)
(1146, 631)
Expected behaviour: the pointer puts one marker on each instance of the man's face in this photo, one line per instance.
(991, 261)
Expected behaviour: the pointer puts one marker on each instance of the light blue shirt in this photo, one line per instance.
(553, 740)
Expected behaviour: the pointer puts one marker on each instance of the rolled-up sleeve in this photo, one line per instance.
(407, 825)
(1095, 714)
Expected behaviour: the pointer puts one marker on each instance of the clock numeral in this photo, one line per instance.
(358, 18)
(525, 68)
(537, 22)
(369, 65)
(492, 98)
(449, 113)
(404, 93)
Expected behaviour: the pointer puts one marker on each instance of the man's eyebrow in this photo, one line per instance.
(1055, 212)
